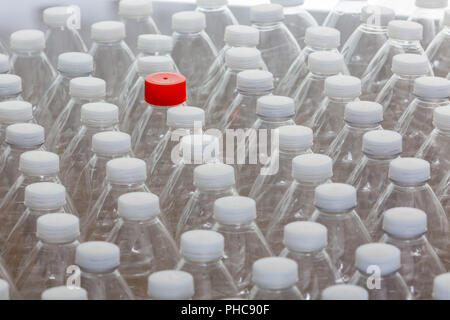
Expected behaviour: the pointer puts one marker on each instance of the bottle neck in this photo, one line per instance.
(70, 76)
(432, 102)
(207, 190)
(386, 158)
(405, 242)
(372, 28)
(41, 211)
(212, 10)
(266, 26)
(127, 186)
(341, 100)
(31, 178)
(444, 132)
(255, 93)
(28, 54)
(362, 126)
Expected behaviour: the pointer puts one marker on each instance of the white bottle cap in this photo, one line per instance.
(342, 87)
(432, 4)
(289, 3)
(295, 137)
(97, 256)
(152, 64)
(254, 81)
(384, 256)
(185, 117)
(87, 87)
(57, 16)
(58, 228)
(39, 163)
(241, 36)
(345, 292)
(108, 31)
(441, 287)
(27, 40)
(202, 245)
(138, 206)
(266, 13)
(324, 38)
(382, 143)
(312, 167)
(135, 8)
(325, 62)
(64, 293)
(10, 84)
(203, 146)
(275, 107)
(441, 118)
(211, 4)
(111, 143)
(410, 64)
(126, 170)
(25, 135)
(4, 63)
(404, 223)
(409, 170)
(446, 20)
(214, 176)
(4, 290)
(335, 197)
(99, 114)
(405, 30)
(153, 43)
(432, 87)
(363, 112)
(305, 236)
(170, 285)
(45, 195)
(75, 63)
(234, 210)
(242, 58)
(377, 15)
(275, 273)
(14, 111)
(188, 22)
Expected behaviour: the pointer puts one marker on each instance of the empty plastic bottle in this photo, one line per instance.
(100, 277)
(27, 48)
(202, 256)
(416, 123)
(346, 149)
(48, 263)
(4, 64)
(64, 293)
(297, 203)
(275, 278)
(436, 50)
(170, 285)
(14, 111)
(305, 243)
(145, 244)
(382, 260)
(345, 292)
(10, 87)
(335, 208)
(405, 228)
(441, 287)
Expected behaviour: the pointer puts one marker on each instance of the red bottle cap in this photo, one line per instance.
(165, 89)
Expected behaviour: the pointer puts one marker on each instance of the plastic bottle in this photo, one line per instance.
(64, 293)
(297, 203)
(170, 285)
(436, 50)
(8, 290)
(145, 244)
(345, 292)
(202, 256)
(14, 111)
(441, 287)
(346, 149)
(10, 87)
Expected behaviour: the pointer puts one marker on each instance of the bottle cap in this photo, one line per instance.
(295, 137)
(325, 62)
(138, 206)
(214, 176)
(188, 22)
(45, 195)
(75, 63)
(170, 285)
(410, 64)
(405, 30)
(275, 273)
(404, 223)
(4, 63)
(25, 135)
(64, 293)
(384, 256)
(99, 114)
(154, 43)
(363, 112)
(185, 117)
(14, 111)
(432, 87)
(58, 228)
(27, 40)
(108, 31)
(97, 256)
(242, 58)
(377, 15)
(266, 13)
(335, 197)
(165, 89)
(4, 290)
(409, 170)
(57, 16)
(441, 287)
(340, 86)
(202, 245)
(87, 88)
(322, 37)
(441, 118)
(289, 3)
(275, 106)
(382, 143)
(345, 292)
(305, 236)
(241, 36)
(254, 81)
(234, 210)
(152, 64)
(211, 4)
(432, 4)
(135, 8)
(10, 84)
(39, 163)
(126, 170)
(111, 143)
(312, 167)
(203, 146)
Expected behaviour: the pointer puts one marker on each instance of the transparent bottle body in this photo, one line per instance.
(137, 26)
(217, 19)
(388, 287)
(7, 276)
(108, 285)
(297, 20)
(291, 293)
(60, 40)
(431, 21)
(437, 53)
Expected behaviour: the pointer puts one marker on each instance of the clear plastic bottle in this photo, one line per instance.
(189, 36)
(398, 92)
(441, 287)
(170, 285)
(145, 244)
(278, 46)
(346, 149)
(64, 293)
(328, 120)
(14, 111)
(100, 277)
(378, 266)
(4, 64)
(416, 123)
(202, 256)
(406, 228)
(10, 87)
(136, 15)
(82, 90)
(297, 203)
(8, 290)
(335, 209)
(275, 278)
(345, 292)
(305, 243)
(112, 56)
(27, 48)
(438, 47)
(47, 263)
